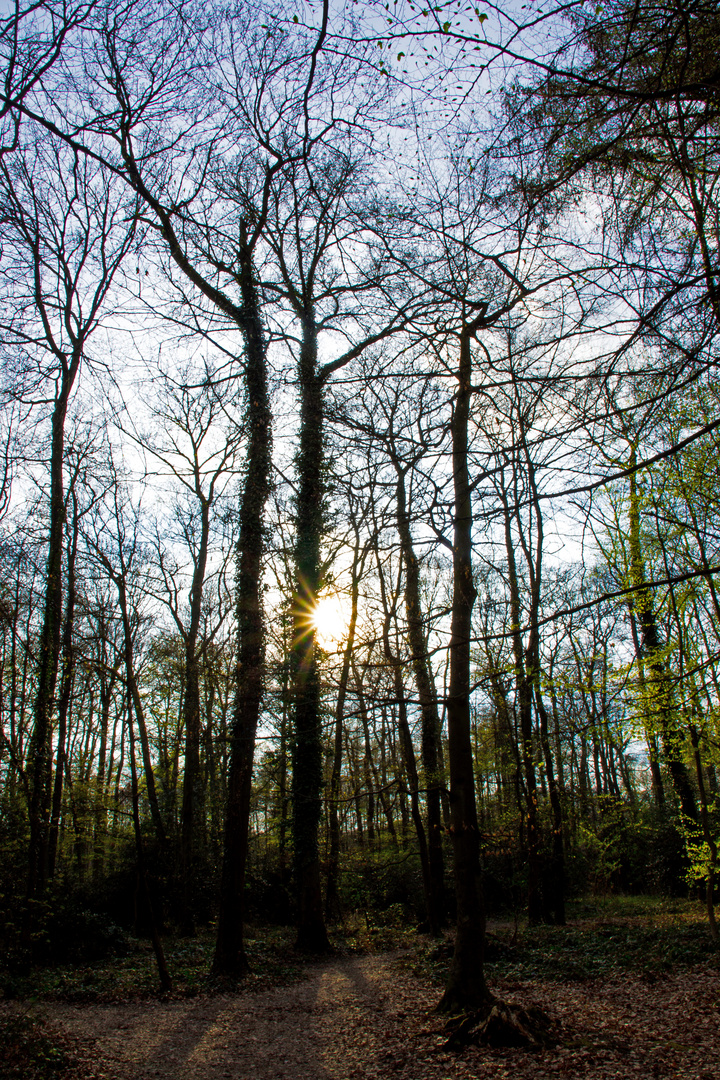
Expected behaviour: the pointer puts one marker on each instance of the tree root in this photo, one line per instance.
(503, 1024)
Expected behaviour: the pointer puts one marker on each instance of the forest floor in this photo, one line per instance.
(637, 995)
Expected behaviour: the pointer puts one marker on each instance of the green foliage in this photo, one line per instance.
(699, 859)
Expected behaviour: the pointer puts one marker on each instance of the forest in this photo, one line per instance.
(359, 499)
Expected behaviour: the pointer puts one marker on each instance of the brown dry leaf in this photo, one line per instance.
(369, 1017)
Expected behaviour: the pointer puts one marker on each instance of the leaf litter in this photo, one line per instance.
(367, 1017)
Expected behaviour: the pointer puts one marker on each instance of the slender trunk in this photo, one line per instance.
(430, 719)
(100, 828)
(523, 697)
(466, 988)
(434, 911)
(119, 579)
(144, 889)
(650, 736)
(40, 749)
(332, 898)
(192, 814)
(370, 780)
(283, 779)
(356, 785)
(555, 880)
(66, 684)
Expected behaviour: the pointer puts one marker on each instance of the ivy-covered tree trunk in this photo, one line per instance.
(307, 778)
(230, 959)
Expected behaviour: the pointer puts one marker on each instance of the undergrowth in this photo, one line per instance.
(601, 941)
(134, 975)
(603, 938)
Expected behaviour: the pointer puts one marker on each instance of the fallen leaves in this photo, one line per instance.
(371, 1017)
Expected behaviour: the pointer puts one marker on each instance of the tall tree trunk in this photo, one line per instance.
(408, 754)
(229, 958)
(434, 912)
(554, 888)
(707, 831)
(193, 803)
(466, 988)
(40, 749)
(369, 775)
(307, 778)
(66, 684)
(523, 696)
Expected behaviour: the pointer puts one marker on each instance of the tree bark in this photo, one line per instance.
(66, 685)
(229, 958)
(193, 803)
(466, 988)
(307, 778)
(40, 749)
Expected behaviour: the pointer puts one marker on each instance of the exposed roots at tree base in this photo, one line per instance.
(503, 1024)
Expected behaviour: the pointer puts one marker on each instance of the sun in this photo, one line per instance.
(330, 620)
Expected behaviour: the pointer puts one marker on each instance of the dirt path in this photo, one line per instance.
(369, 1017)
